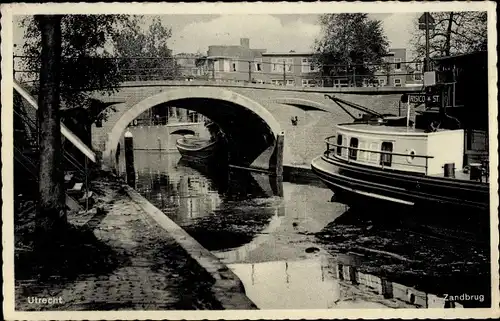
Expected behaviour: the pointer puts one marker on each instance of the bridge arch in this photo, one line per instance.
(178, 97)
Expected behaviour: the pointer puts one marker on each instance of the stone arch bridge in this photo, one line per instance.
(253, 116)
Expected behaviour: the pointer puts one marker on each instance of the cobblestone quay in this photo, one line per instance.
(126, 261)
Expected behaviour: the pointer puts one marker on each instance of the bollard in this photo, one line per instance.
(475, 172)
(117, 158)
(276, 183)
(449, 170)
(280, 141)
(129, 158)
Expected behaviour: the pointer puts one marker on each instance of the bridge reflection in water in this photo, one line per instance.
(325, 283)
(264, 230)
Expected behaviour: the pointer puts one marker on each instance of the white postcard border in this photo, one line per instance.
(8, 11)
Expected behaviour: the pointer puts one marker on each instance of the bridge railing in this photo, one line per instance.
(278, 71)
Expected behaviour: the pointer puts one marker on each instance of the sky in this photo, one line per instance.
(276, 33)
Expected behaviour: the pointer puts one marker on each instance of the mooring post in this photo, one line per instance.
(129, 158)
(280, 141)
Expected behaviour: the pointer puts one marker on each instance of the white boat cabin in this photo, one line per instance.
(399, 148)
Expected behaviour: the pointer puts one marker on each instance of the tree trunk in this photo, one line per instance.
(447, 47)
(51, 214)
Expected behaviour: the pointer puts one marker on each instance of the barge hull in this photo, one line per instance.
(365, 189)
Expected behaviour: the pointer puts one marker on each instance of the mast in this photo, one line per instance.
(367, 110)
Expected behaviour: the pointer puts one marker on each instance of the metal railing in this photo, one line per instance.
(33, 128)
(279, 72)
(338, 147)
(86, 150)
(30, 163)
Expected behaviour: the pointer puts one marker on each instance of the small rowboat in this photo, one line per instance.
(195, 148)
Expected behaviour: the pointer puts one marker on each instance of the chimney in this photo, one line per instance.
(245, 42)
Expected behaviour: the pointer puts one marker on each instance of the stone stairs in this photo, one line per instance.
(78, 198)
(26, 157)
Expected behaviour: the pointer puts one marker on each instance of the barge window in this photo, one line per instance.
(339, 142)
(374, 156)
(353, 153)
(362, 154)
(386, 159)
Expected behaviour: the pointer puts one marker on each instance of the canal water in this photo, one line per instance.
(264, 230)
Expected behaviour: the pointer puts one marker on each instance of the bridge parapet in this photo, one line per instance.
(243, 84)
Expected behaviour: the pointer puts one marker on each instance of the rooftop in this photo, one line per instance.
(290, 53)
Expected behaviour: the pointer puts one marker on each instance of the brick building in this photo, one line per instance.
(289, 69)
(397, 71)
(234, 62)
(242, 63)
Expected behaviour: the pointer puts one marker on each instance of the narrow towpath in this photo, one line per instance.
(117, 259)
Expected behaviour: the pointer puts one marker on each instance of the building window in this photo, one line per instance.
(312, 83)
(398, 64)
(277, 82)
(277, 64)
(353, 152)
(289, 64)
(290, 82)
(225, 65)
(343, 82)
(381, 82)
(257, 64)
(397, 82)
(339, 142)
(308, 65)
(234, 65)
(371, 82)
(386, 159)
